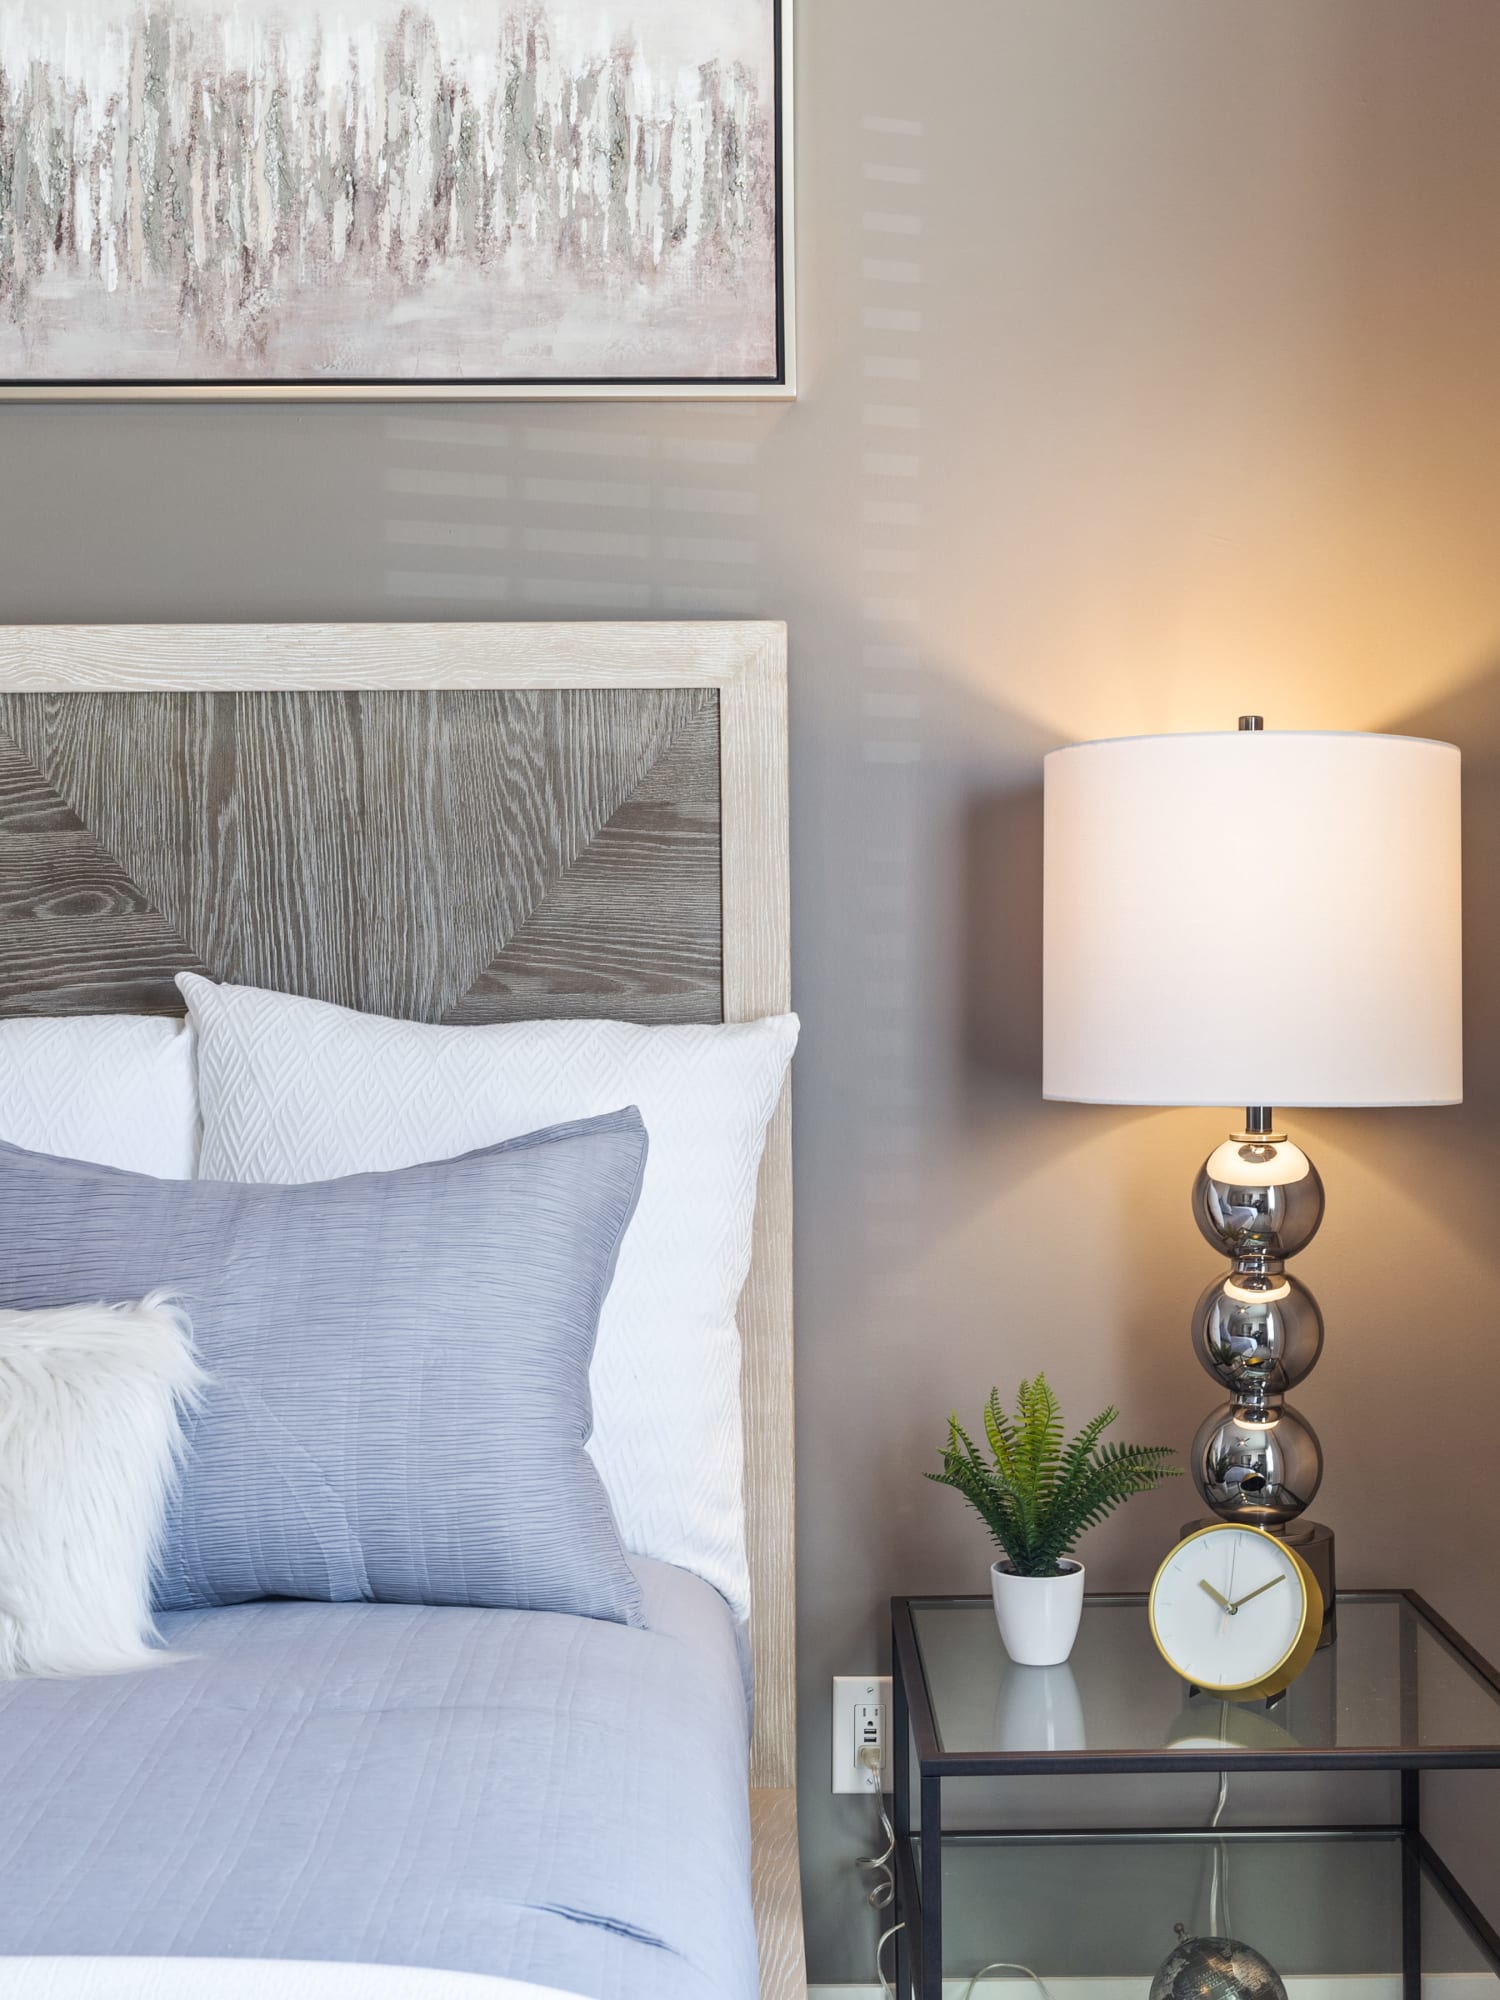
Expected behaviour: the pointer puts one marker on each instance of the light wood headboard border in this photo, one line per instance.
(746, 663)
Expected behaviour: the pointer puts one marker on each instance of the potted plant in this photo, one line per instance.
(1038, 1494)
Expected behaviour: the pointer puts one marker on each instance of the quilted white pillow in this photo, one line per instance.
(296, 1090)
(117, 1089)
(90, 1441)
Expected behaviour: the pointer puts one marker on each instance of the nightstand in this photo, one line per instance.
(1400, 1693)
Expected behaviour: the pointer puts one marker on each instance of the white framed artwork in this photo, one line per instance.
(395, 198)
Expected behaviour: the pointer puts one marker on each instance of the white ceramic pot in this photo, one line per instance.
(1038, 1615)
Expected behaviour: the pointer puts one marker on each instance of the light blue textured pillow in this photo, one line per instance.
(399, 1365)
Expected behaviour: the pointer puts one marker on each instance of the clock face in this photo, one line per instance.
(1229, 1607)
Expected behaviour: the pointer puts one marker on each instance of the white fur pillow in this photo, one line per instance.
(91, 1398)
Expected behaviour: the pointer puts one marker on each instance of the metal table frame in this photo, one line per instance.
(919, 1850)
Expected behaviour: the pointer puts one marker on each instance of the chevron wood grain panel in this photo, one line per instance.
(635, 922)
(77, 934)
(64, 874)
(378, 848)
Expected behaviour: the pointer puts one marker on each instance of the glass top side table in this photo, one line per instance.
(1400, 1691)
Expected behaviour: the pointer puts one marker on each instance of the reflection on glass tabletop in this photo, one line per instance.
(1390, 1682)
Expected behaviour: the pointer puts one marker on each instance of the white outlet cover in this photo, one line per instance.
(851, 1693)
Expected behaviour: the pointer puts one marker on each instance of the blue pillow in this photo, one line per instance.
(399, 1398)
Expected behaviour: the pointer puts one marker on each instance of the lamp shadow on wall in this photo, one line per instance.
(1470, 717)
(1449, 1156)
(1001, 975)
(1100, 1309)
(1002, 933)
(1448, 1164)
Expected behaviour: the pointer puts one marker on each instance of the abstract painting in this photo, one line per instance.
(406, 197)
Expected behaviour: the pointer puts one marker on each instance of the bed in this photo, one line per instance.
(329, 1798)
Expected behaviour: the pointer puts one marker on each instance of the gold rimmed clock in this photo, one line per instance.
(1236, 1611)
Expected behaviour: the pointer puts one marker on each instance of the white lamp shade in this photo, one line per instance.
(1253, 917)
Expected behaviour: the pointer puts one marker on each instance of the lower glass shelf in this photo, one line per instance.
(1318, 1905)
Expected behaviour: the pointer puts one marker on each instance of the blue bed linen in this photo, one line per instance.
(398, 1365)
(552, 1798)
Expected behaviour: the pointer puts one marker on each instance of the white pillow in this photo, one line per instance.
(297, 1090)
(90, 1441)
(117, 1089)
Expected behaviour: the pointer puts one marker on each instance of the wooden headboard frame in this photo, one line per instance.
(745, 663)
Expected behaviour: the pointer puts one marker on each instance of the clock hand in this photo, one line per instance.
(1222, 1602)
(1256, 1593)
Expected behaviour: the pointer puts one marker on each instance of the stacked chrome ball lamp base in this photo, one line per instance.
(1256, 1460)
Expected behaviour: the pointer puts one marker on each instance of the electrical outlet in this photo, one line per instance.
(861, 1720)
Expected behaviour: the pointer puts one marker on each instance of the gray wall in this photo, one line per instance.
(1151, 371)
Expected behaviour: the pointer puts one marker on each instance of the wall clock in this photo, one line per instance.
(1236, 1611)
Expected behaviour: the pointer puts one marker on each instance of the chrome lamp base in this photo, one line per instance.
(1259, 1332)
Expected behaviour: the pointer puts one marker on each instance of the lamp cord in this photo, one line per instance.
(881, 1896)
(1007, 1965)
(1218, 1885)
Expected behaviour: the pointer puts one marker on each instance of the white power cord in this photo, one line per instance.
(883, 1894)
(1218, 1882)
(1218, 1901)
(884, 1940)
(1006, 1965)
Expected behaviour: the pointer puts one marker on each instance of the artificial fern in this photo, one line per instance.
(1039, 1495)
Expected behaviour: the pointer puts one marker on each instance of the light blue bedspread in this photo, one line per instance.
(557, 1799)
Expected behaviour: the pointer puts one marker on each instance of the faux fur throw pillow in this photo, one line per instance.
(91, 1398)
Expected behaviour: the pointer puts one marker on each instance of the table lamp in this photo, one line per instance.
(1266, 918)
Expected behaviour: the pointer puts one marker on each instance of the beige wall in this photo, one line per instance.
(1191, 403)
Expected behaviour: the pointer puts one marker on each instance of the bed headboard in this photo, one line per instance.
(454, 822)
